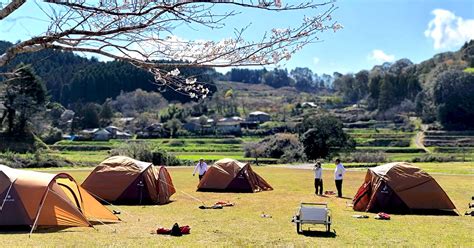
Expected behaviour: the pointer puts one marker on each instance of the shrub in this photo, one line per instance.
(228, 141)
(366, 157)
(145, 152)
(434, 158)
(285, 147)
(390, 142)
(137, 150)
(161, 157)
(399, 143)
(39, 159)
(54, 135)
(176, 143)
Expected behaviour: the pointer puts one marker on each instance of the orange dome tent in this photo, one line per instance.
(123, 180)
(401, 188)
(29, 198)
(229, 175)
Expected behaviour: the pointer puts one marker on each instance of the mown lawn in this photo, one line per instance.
(242, 225)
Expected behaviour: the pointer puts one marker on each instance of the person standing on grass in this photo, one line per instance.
(338, 176)
(201, 168)
(318, 179)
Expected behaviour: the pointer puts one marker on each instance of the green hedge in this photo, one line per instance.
(80, 148)
(391, 150)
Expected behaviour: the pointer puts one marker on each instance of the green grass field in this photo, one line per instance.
(183, 148)
(242, 225)
(217, 148)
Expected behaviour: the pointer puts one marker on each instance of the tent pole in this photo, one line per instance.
(192, 197)
(100, 198)
(5, 199)
(38, 214)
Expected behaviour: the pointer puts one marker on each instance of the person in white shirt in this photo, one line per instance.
(338, 176)
(201, 168)
(318, 179)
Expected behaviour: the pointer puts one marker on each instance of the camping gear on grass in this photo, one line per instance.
(123, 180)
(225, 203)
(264, 215)
(217, 206)
(163, 230)
(29, 198)
(229, 175)
(402, 188)
(382, 216)
(176, 230)
(360, 216)
(312, 213)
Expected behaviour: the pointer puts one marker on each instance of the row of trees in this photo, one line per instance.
(301, 78)
(382, 88)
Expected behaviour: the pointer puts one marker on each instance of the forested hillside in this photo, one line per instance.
(439, 88)
(71, 78)
(386, 90)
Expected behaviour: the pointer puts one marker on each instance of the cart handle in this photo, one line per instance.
(315, 203)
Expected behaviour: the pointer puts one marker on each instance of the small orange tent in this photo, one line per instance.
(402, 188)
(29, 198)
(229, 175)
(123, 180)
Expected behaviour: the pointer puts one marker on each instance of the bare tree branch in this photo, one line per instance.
(10, 8)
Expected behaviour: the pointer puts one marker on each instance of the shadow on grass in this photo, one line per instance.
(320, 234)
(345, 197)
(324, 196)
(135, 203)
(48, 229)
(27, 229)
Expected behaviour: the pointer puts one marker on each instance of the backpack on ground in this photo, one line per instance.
(175, 230)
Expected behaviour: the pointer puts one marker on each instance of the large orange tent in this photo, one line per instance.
(229, 175)
(123, 180)
(29, 198)
(401, 188)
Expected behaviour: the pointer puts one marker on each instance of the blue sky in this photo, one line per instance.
(374, 31)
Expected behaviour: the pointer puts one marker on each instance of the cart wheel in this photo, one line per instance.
(298, 225)
(328, 227)
(298, 228)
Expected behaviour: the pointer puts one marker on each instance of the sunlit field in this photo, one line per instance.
(242, 225)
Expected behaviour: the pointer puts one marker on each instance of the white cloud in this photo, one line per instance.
(448, 30)
(379, 56)
(315, 60)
